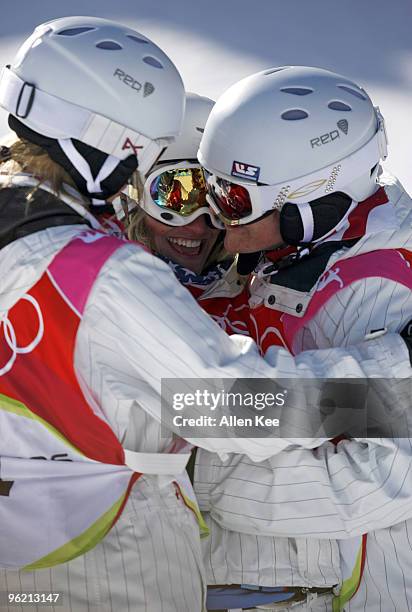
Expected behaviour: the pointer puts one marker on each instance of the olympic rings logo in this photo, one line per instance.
(11, 339)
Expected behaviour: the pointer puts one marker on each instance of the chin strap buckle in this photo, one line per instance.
(285, 262)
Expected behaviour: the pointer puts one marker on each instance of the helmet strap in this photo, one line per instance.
(93, 184)
(308, 222)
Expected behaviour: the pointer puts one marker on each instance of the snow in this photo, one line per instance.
(218, 42)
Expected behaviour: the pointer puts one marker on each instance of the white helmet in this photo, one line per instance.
(179, 167)
(294, 133)
(98, 82)
(186, 145)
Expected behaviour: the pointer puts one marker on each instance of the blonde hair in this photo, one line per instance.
(25, 156)
(137, 229)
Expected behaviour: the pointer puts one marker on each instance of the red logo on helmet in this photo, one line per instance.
(129, 145)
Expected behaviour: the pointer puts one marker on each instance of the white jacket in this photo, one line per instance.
(140, 326)
(305, 497)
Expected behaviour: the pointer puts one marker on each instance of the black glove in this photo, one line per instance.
(406, 334)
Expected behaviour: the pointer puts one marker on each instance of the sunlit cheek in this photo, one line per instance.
(233, 240)
(211, 242)
(161, 245)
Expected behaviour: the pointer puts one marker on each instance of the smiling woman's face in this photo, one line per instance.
(188, 245)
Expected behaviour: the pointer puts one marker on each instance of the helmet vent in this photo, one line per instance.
(74, 31)
(339, 106)
(152, 61)
(294, 115)
(136, 39)
(201, 130)
(354, 92)
(109, 45)
(273, 70)
(297, 91)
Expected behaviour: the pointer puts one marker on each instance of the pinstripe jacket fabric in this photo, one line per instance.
(140, 326)
(280, 522)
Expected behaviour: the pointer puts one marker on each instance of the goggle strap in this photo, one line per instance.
(42, 112)
(316, 185)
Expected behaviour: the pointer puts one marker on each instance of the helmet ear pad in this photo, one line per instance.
(327, 213)
(95, 159)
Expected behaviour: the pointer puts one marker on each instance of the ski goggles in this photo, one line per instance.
(238, 202)
(176, 195)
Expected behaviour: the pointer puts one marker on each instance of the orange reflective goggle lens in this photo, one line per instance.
(181, 190)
